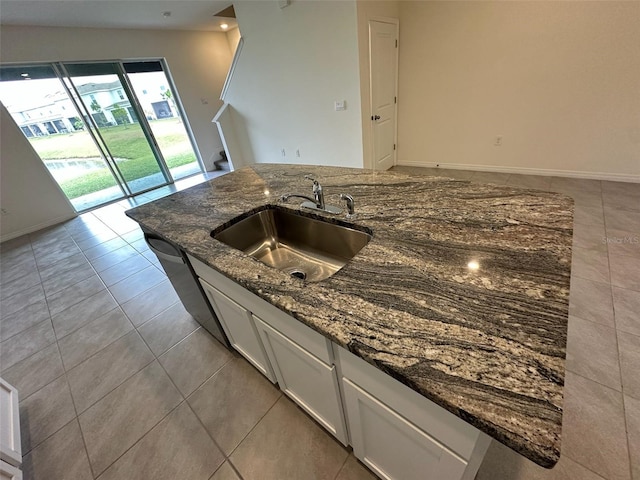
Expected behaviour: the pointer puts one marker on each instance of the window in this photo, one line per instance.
(102, 165)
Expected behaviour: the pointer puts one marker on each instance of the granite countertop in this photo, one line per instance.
(487, 344)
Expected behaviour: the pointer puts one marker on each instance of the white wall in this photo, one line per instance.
(560, 81)
(198, 63)
(233, 37)
(28, 194)
(367, 10)
(295, 63)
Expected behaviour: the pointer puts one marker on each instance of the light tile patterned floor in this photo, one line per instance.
(117, 381)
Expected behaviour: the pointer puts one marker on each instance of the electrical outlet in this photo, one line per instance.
(498, 142)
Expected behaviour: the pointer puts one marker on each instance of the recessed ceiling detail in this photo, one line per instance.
(228, 12)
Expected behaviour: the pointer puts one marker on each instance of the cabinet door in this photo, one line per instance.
(391, 446)
(240, 329)
(10, 449)
(308, 381)
(9, 472)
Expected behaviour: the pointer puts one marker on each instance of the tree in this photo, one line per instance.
(167, 95)
(120, 116)
(95, 106)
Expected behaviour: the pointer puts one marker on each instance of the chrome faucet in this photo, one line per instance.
(318, 193)
(315, 203)
(350, 205)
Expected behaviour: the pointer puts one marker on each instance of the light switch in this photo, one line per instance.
(341, 105)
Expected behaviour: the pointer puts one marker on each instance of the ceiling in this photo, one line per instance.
(142, 14)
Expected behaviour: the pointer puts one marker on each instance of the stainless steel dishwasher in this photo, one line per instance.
(185, 283)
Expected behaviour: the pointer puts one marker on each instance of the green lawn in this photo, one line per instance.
(127, 144)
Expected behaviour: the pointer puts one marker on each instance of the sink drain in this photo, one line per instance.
(298, 274)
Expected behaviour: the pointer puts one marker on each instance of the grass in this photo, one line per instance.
(127, 144)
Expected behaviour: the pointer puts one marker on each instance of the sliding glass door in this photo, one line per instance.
(112, 111)
(104, 130)
(162, 111)
(37, 100)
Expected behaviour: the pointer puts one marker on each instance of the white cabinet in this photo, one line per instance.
(391, 446)
(240, 329)
(9, 472)
(285, 350)
(10, 448)
(307, 380)
(401, 435)
(394, 430)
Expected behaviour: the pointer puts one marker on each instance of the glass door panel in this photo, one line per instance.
(157, 99)
(42, 109)
(102, 90)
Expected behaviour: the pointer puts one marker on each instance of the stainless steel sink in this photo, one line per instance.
(304, 247)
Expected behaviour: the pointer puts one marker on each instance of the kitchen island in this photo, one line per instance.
(462, 294)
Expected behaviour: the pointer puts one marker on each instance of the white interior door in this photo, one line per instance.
(383, 55)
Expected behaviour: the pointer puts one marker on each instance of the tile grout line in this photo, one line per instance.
(184, 398)
(64, 369)
(342, 467)
(77, 419)
(280, 395)
(618, 351)
(155, 316)
(622, 389)
(137, 441)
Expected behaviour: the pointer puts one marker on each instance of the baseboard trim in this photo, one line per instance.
(35, 228)
(613, 177)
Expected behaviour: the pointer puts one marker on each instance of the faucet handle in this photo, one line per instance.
(310, 176)
(350, 205)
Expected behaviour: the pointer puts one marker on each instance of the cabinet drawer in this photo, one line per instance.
(308, 381)
(240, 329)
(393, 447)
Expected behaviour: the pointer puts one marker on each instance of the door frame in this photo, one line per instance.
(396, 22)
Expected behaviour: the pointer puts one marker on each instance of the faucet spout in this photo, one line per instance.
(286, 197)
(313, 203)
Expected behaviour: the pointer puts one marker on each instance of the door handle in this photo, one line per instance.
(375, 117)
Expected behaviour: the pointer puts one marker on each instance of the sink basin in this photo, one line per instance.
(307, 248)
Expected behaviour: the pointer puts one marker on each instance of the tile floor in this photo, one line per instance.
(116, 379)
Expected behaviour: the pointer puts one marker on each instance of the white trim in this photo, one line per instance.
(35, 228)
(228, 137)
(232, 69)
(613, 177)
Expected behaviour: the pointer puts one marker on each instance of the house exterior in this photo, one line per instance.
(107, 102)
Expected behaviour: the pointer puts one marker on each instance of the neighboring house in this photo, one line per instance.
(53, 114)
(106, 102)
